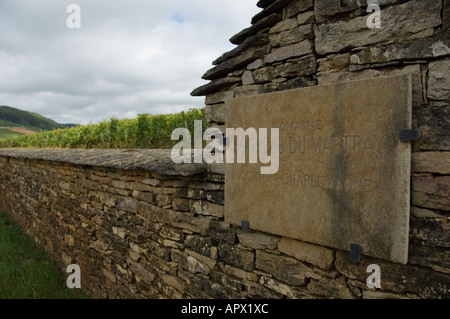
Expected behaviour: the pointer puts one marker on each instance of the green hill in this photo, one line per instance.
(12, 117)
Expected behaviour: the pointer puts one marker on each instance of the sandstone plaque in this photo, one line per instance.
(344, 174)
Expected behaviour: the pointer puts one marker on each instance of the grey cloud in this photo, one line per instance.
(129, 57)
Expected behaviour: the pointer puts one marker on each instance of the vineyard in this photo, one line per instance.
(145, 131)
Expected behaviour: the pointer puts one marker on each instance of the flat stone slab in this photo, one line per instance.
(156, 160)
(344, 175)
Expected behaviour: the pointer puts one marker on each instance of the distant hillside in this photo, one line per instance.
(12, 117)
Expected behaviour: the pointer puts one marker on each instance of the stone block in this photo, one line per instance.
(275, 7)
(219, 97)
(119, 231)
(435, 132)
(431, 192)
(397, 278)
(248, 90)
(127, 204)
(216, 85)
(446, 15)
(297, 6)
(107, 199)
(439, 80)
(230, 283)
(284, 25)
(330, 289)
(295, 35)
(417, 49)
(69, 240)
(368, 294)
(326, 9)
(181, 204)
(313, 254)
(301, 67)
(424, 213)
(234, 63)
(201, 245)
(239, 273)
(109, 275)
(414, 70)
(196, 193)
(236, 256)
(265, 22)
(144, 196)
(279, 287)
(118, 184)
(306, 17)
(264, 3)
(256, 240)
(215, 113)
(432, 232)
(253, 41)
(247, 78)
(263, 75)
(431, 162)
(175, 282)
(207, 186)
(217, 197)
(286, 269)
(180, 220)
(289, 51)
(398, 22)
(221, 232)
(334, 63)
(151, 181)
(163, 200)
(255, 64)
(289, 84)
(437, 259)
(210, 262)
(171, 233)
(206, 208)
(257, 291)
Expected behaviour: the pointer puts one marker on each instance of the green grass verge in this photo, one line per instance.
(26, 270)
(6, 134)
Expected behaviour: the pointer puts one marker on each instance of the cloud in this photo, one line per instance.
(128, 57)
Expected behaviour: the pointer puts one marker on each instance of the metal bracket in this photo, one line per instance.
(407, 135)
(245, 224)
(355, 253)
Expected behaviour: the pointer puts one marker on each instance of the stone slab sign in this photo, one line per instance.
(344, 174)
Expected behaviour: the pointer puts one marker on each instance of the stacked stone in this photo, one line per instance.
(297, 43)
(159, 233)
(132, 232)
(140, 226)
(276, 53)
(414, 39)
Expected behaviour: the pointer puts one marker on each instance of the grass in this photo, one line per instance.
(6, 134)
(26, 270)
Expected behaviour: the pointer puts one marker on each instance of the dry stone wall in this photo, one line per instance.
(140, 226)
(300, 43)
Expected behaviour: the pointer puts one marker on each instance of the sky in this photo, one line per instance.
(127, 58)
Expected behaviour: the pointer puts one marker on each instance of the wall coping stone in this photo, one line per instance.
(155, 160)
